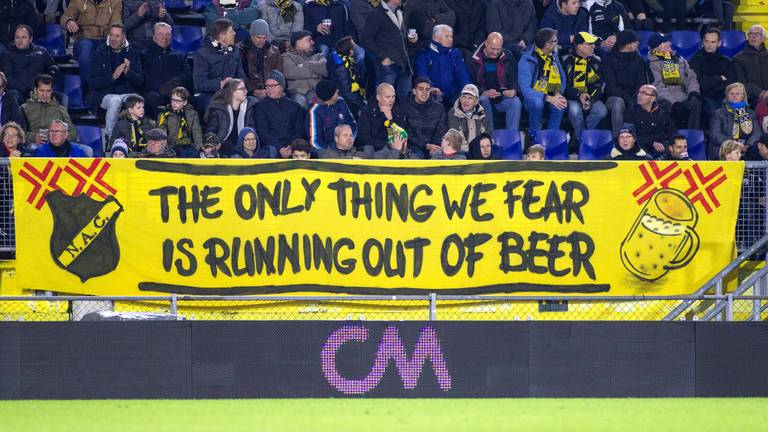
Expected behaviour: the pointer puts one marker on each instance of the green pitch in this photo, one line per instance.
(391, 415)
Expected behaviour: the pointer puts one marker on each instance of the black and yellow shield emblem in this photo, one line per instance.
(84, 241)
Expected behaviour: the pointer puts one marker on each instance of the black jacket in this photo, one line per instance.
(279, 121)
(10, 111)
(604, 20)
(371, 130)
(21, 67)
(514, 19)
(594, 88)
(105, 60)
(624, 73)
(211, 65)
(164, 68)
(751, 67)
(384, 40)
(469, 31)
(220, 120)
(710, 68)
(653, 126)
(423, 15)
(13, 13)
(506, 70)
(426, 123)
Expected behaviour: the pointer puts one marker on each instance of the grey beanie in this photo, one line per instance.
(259, 28)
(277, 76)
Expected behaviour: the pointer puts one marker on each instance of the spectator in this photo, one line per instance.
(624, 71)
(279, 120)
(671, 10)
(119, 150)
(651, 122)
(248, 146)
(467, 115)
(568, 17)
(451, 146)
(676, 82)
(606, 19)
(396, 148)
(384, 36)
(343, 146)
(762, 115)
(482, 148)
(469, 29)
(157, 145)
(230, 110)
(713, 71)
(359, 11)
(41, 109)
(140, 17)
(751, 65)
(346, 72)
(541, 79)
(259, 58)
(211, 147)
(758, 152)
(732, 151)
(218, 59)
(12, 138)
(116, 72)
(164, 69)
(424, 15)
(381, 121)
(426, 119)
(241, 12)
(535, 153)
(58, 145)
(734, 120)
(494, 70)
(9, 109)
(515, 20)
(638, 15)
(300, 149)
(182, 125)
(677, 150)
(284, 18)
(324, 116)
(23, 62)
(328, 21)
(14, 13)
(133, 124)
(626, 146)
(89, 21)
(303, 68)
(584, 86)
(443, 65)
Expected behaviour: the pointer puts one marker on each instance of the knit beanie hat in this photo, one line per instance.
(277, 76)
(657, 39)
(299, 35)
(260, 28)
(624, 38)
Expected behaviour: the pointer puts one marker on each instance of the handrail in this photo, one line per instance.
(750, 282)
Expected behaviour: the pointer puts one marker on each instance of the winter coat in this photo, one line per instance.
(358, 13)
(624, 74)
(469, 124)
(334, 153)
(10, 112)
(607, 20)
(337, 12)
(594, 89)
(673, 93)
(340, 75)
(141, 27)
(476, 154)
(752, 69)
(212, 65)
(277, 25)
(439, 155)
(93, 18)
(710, 68)
(372, 131)
(220, 120)
(566, 25)
(427, 123)
(721, 129)
(239, 5)
(14, 13)
(444, 67)
(514, 19)
(172, 121)
(424, 15)
(105, 60)
(46, 150)
(164, 69)
(383, 39)
(124, 130)
(469, 31)
(635, 153)
(279, 121)
(528, 73)
(322, 120)
(166, 153)
(261, 152)
(39, 115)
(21, 67)
(303, 71)
(506, 70)
(258, 63)
(654, 126)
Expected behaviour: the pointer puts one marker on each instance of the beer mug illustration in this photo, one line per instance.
(662, 237)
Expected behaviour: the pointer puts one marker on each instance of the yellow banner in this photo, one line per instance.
(145, 227)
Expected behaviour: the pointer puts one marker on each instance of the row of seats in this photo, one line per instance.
(687, 43)
(595, 144)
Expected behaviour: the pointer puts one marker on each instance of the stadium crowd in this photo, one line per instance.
(382, 79)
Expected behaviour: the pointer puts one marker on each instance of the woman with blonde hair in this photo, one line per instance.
(731, 151)
(12, 138)
(734, 120)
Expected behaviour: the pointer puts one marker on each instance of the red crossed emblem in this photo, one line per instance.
(655, 178)
(88, 176)
(699, 187)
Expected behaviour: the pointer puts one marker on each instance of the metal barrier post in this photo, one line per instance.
(729, 308)
(174, 306)
(718, 293)
(757, 290)
(433, 307)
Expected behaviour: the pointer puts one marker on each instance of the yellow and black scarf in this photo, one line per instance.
(287, 9)
(137, 135)
(183, 135)
(549, 78)
(583, 75)
(349, 62)
(375, 3)
(742, 120)
(322, 2)
(670, 70)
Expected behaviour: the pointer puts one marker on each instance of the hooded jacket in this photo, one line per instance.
(14, 13)
(239, 151)
(337, 12)
(752, 69)
(279, 28)
(258, 62)
(171, 121)
(528, 73)
(566, 25)
(93, 18)
(322, 120)
(470, 124)
(211, 65)
(39, 115)
(424, 15)
(469, 30)
(476, 154)
(653, 126)
(624, 74)
(427, 123)
(710, 68)
(673, 93)
(220, 119)
(279, 121)
(302, 71)
(105, 60)
(514, 19)
(141, 27)
(21, 67)
(506, 70)
(124, 130)
(444, 67)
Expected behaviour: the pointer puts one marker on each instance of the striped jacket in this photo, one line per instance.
(323, 119)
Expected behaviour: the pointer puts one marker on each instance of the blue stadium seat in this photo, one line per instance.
(71, 86)
(642, 37)
(198, 5)
(697, 145)
(54, 40)
(686, 43)
(733, 42)
(508, 140)
(595, 144)
(186, 38)
(555, 144)
(90, 136)
(175, 4)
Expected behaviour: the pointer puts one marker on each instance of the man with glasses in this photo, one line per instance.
(752, 65)
(653, 123)
(164, 69)
(9, 109)
(279, 120)
(58, 145)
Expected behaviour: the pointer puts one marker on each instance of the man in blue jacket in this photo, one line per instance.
(568, 17)
(58, 145)
(443, 65)
(541, 79)
(330, 111)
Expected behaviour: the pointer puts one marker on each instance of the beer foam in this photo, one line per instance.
(661, 226)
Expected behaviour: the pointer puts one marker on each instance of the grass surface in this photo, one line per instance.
(368, 415)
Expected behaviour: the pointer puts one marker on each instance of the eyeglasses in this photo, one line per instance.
(12, 135)
(57, 131)
(249, 139)
(754, 34)
(180, 100)
(241, 88)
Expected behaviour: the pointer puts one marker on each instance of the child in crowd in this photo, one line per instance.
(535, 153)
(211, 146)
(182, 124)
(450, 147)
(133, 124)
(300, 149)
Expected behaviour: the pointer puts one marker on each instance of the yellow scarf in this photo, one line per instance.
(549, 80)
(375, 3)
(287, 9)
(322, 2)
(670, 70)
(183, 135)
(583, 75)
(137, 135)
(348, 61)
(742, 122)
